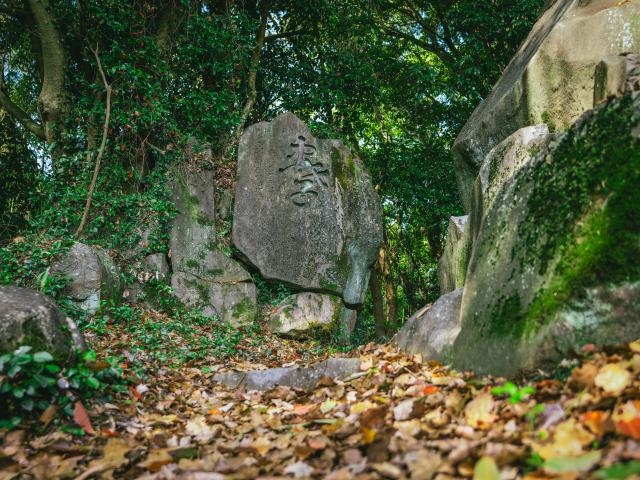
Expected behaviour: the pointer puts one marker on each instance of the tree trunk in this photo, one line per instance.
(52, 102)
(378, 302)
(434, 238)
(391, 304)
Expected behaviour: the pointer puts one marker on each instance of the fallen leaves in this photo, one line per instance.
(396, 419)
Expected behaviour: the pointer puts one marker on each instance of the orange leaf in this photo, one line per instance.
(214, 411)
(595, 421)
(627, 419)
(81, 417)
(430, 389)
(300, 409)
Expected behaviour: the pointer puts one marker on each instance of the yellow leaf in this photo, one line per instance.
(368, 435)
(569, 439)
(613, 379)
(328, 405)
(486, 469)
(358, 408)
(479, 411)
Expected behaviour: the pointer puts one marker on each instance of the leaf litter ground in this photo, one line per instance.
(399, 417)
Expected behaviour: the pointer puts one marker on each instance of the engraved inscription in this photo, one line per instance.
(310, 173)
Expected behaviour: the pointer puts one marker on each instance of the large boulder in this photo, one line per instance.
(452, 266)
(92, 276)
(30, 318)
(306, 213)
(555, 262)
(204, 277)
(550, 80)
(432, 330)
(302, 315)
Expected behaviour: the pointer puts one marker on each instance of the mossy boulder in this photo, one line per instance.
(306, 213)
(204, 276)
(555, 265)
(30, 318)
(500, 164)
(452, 266)
(92, 276)
(550, 80)
(306, 315)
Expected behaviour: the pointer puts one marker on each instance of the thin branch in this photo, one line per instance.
(103, 143)
(278, 36)
(16, 112)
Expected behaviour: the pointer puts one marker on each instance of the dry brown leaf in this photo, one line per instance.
(81, 417)
(48, 415)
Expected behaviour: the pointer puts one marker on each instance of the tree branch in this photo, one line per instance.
(16, 112)
(103, 143)
(251, 81)
(278, 36)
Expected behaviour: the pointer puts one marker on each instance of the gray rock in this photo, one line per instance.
(452, 266)
(299, 316)
(303, 378)
(306, 213)
(616, 75)
(432, 330)
(93, 276)
(554, 265)
(157, 266)
(204, 276)
(502, 162)
(30, 318)
(550, 80)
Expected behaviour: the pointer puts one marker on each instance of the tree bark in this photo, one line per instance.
(391, 304)
(378, 302)
(52, 101)
(251, 80)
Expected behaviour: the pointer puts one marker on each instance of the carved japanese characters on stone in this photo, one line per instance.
(308, 170)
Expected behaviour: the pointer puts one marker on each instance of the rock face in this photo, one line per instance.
(306, 213)
(304, 378)
(502, 162)
(203, 276)
(298, 316)
(550, 80)
(432, 330)
(92, 275)
(30, 318)
(554, 264)
(452, 266)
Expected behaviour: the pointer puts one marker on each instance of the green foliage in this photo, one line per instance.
(31, 382)
(174, 336)
(620, 471)
(515, 394)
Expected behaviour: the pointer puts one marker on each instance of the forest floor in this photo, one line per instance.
(398, 418)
